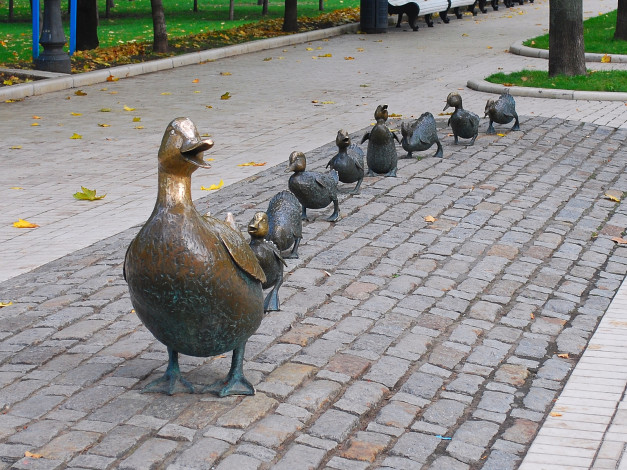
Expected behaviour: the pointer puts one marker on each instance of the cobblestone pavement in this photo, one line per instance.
(271, 113)
(401, 343)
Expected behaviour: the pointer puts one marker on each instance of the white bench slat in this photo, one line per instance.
(426, 6)
(461, 3)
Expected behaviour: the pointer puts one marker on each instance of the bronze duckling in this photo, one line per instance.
(349, 161)
(502, 111)
(194, 281)
(285, 226)
(313, 190)
(420, 134)
(381, 154)
(269, 258)
(464, 123)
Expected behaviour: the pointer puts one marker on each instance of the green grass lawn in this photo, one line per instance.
(131, 21)
(598, 36)
(615, 80)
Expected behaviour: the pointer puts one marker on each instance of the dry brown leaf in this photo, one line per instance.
(430, 218)
(32, 456)
(555, 414)
(564, 356)
(619, 240)
(112, 78)
(80, 93)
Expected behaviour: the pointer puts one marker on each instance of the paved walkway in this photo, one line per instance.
(395, 334)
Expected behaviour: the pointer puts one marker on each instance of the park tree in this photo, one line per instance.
(86, 25)
(160, 40)
(621, 21)
(566, 46)
(290, 18)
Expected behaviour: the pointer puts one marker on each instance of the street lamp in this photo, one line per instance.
(53, 58)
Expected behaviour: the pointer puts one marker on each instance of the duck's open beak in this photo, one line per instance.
(193, 152)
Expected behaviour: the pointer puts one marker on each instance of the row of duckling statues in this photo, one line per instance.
(197, 284)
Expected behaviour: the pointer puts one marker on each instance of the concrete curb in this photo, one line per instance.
(59, 82)
(519, 49)
(487, 87)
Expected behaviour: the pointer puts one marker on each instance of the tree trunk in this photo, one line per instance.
(290, 19)
(566, 47)
(621, 21)
(160, 41)
(264, 8)
(321, 5)
(109, 4)
(86, 25)
(195, 6)
(10, 11)
(231, 10)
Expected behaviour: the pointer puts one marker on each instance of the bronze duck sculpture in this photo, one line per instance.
(420, 134)
(269, 258)
(381, 154)
(313, 190)
(464, 123)
(349, 161)
(285, 226)
(502, 111)
(194, 281)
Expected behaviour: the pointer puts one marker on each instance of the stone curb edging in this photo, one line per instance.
(63, 82)
(487, 87)
(519, 49)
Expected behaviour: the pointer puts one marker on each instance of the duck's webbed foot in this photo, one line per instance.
(172, 381)
(516, 126)
(490, 129)
(336, 212)
(392, 172)
(271, 302)
(235, 382)
(357, 186)
(474, 137)
(304, 214)
(440, 153)
(294, 253)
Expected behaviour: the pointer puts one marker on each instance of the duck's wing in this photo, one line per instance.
(325, 180)
(365, 137)
(239, 250)
(277, 253)
(395, 136)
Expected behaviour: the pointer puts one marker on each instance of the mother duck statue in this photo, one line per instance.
(194, 281)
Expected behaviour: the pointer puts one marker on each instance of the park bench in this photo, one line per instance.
(415, 8)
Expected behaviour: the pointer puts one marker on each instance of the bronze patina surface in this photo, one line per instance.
(349, 161)
(464, 123)
(381, 155)
(285, 225)
(194, 281)
(420, 135)
(502, 111)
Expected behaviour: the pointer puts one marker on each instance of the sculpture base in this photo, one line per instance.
(58, 62)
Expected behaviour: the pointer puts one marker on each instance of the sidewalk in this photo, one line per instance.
(395, 334)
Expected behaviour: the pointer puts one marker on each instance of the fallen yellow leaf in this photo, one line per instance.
(564, 356)
(166, 93)
(76, 114)
(15, 147)
(489, 47)
(36, 117)
(195, 80)
(213, 187)
(252, 164)
(360, 49)
(501, 135)
(5, 304)
(394, 115)
(139, 127)
(76, 136)
(309, 49)
(619, 240)
(21, 223)
(225, 73)
(34, 124)
(429, 218)
(267, 59)
(32, 456)
(349, 58)
(532, 316)
(225, 96)
(112, 78)
(325, 55)
(86, 194)
(16, 187)
(606, 59)
(208, 106)
(464, 35)
(127, 108)
(80, 93)
(555, 414)
(105, 110)
(137, 119)
(328, 102)
(104, 125)
(611, 198)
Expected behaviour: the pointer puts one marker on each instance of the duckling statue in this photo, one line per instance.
(194, 281)
(464, 123)
(349, 161)
(381, 154)
(285, 226)
(313, 190)
(420, 134)
(269, 258)
(502, 111)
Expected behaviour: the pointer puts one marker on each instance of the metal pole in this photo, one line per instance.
(53, 58)
(72, 26)
(35, 29)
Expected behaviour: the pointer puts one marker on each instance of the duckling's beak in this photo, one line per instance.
(446, 107)
(192, 151)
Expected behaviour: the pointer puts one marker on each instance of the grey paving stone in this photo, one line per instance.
(361, 397)
(300, 456)
(239, 461)
(272, 430)
(422, 385)
(448, 463)
(388, 370)
(203, 454)
(444, 412)
(334, 424)
(415, 446)
(315, 395)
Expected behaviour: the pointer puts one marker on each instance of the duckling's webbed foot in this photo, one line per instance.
(304, 214)
(294, 253)
(490, 129)
(392, 172)
(516, 125)
(440, 153)
(171, 382)
(336, 212)
(357, 186)
(235, 383)
(474, 137)
(271, 302)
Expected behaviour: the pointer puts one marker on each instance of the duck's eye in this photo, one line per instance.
(171, 131)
